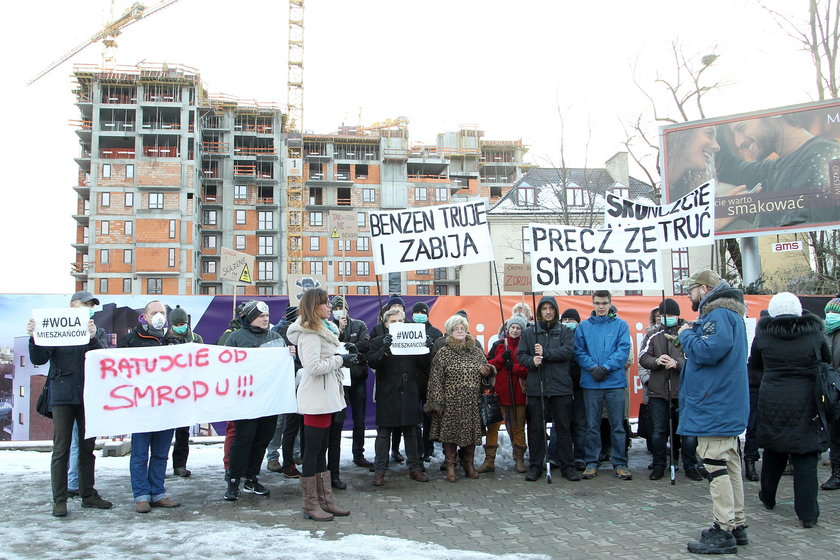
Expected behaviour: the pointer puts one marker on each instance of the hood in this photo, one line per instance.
(789, 327)
(553, 302)
(723, 296)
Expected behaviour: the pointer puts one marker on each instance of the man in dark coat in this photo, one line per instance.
(66, 380)
(288, 425)
(397, 400)
(420, 314)
(832, 330)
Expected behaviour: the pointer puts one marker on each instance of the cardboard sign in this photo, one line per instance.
(299, 283)
(517, 278)
(64, 326)
(131, 390)
(236, 266)
(573, 258)
(409, 339)
(344, 224)
(430, 237)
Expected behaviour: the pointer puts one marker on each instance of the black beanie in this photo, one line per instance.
(462, 313)
(669, 307)
(570, 314)
(292, 313)
(420, 307)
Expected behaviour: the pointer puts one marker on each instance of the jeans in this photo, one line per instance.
(594, 400)
(383, 445)
(273, 449)
(559, 408)
(751, 439)
(660, 434)
(249, 443)
(181, 449)
(149, 454)
(356, 396)
(73, 467)
(65, 418)
(805, 485)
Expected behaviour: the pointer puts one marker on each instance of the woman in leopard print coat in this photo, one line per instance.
(453, 396)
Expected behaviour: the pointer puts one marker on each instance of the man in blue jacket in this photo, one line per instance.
(714, 401)
(602, 347)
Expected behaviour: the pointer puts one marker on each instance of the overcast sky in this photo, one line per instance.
(505, 67)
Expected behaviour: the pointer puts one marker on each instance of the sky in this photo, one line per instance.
(511, 69)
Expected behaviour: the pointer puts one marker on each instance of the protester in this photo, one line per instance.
(320, 395)
(65, 386)
(397, 400)
(180, 332)
(288, 425)
(510, 386)
(789, 347)
(420, 314)
(751, 455)
(570, 319)
(149, 450)
(602, 348)
(546, 350)
(832, 330)
(453, 395)
(714, 402)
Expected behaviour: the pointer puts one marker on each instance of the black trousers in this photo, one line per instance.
(334, 443)
(315, 450)
(290, 433)
(559, 408)
(249, 445)
(805, 486)
(356, 397)
(64, 415)
(181, 448)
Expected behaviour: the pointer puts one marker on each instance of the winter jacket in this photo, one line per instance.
(558, 348)
(66, 377)
(143, 336)
(232, 326)
(397, 388)
(320, 390)
(188, 336)
(834, 345)
(504, 369)
(605, 342)
(356, 332)
(714, 392)
(655, 344)
(253, 337)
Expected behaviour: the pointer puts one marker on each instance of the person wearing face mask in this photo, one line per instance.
(420, 314)
(150, 450)
(66, 381)
(570, 319)
(832, 330)
(661, 357)
(181, 333)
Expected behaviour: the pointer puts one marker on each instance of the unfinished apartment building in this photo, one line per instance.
(169, 174)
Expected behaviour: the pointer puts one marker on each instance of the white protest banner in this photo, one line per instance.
(62, 326)
(131, 390)
(687, 222)
(573, 258)
(430, 237)
(408, 339)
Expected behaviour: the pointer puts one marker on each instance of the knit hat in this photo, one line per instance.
(339, 301)
(708, 278)
(178, 316)
(462, 313)
(292, 313)
(833, 306)
(395, 298)
(420, 307)
(517, 320)
(669, 307)
(570, 314)
(785, 303)
(254, 309)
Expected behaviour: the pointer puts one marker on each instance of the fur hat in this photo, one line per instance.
(669, 307)
(785, 303)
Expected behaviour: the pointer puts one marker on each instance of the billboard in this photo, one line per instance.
(777, 170)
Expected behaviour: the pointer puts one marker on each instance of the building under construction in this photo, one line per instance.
(169, 174)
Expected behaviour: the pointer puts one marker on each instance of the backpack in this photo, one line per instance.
(827, 393)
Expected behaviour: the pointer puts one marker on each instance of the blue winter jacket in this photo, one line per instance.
(603, 341)
(714, 386)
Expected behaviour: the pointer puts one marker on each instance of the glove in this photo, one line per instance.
(506, 355)
(598, 373)
(387, 340)
(429, 342)
(351, 348)
(348, 360)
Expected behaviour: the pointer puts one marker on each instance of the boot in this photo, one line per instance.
(323, 484)
(519, 458)
(489, 464)
(833, 482)
(714, 541)
(311, 509)
(450, 450)
(749, 470)
(468, 461)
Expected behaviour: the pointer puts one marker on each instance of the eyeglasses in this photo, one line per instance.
(459, 329)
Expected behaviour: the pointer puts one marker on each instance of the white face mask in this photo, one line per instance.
(158, 320)
(338, 313)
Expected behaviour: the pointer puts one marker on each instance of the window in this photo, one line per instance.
(265, 270)
(343, 290)
(105, 198)
(363, 244)
(265, 220)
(129, 171)
(129, 199)
(342, 172)
(345, 268)
(440, 274)
(314, 243)
(368, 195)
(343, 197)
(210, 241)
(210, 217)
(316, 267)
(104, 256)
(441, 290)
(316, 218)
(422, 289)
(106, 170)
(361, 218)
(208, 267)
(576, 196)
(423, 272)
(239, 242)
(361, 171)
(441, 194)
(208, 290)
(679, 266)
(155, 200)
(265, 290)
(126, 285)
(128, 256)
(362, 268)
(316, 171)
(316, 196)
(421, 193)
(171, 257)
(240, 192)
(265, 245)
(172, 227)
(129, 227)
(103, 285)
(363, 290)
(623, 192)
(154, 286)
(105, 227)
(343, 245)
(240, 217)
(526, 196)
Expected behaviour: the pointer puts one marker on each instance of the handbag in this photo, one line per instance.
(645, 427)
(42, 407)
(489, 408)
(827, 389)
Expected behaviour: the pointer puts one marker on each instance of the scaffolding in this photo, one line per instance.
(294, 142)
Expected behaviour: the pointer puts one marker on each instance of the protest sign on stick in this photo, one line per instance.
(62, 326)
(408, 339)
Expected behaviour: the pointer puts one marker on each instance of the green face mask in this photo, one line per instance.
(668, 321)
(572, 326)
(91, 312)
(179, 329)
(832, 321)
(419, 318)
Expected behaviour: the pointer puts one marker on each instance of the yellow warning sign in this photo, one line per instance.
(335, 234)
(245, 276)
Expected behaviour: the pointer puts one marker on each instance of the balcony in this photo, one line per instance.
(116, 153)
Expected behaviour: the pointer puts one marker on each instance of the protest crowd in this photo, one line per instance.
(440, 393)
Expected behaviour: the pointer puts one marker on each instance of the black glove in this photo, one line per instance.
(351, 347)
(387, 340)
(348, 360)
(429, 342)
(506, 355)
(599, 373)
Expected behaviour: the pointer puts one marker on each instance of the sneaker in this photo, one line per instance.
(142, 507)
(378, 479)
(232, 492)
(165, 503)
(96, 501)
(364, 463)
(622, 472)
(183, 472)
(534, 473)
(571, 475)
(73, 493)
(274, 466)
(291, 471)
(657, 472)
(693, 473)
(59, 509)
(740, 534)
(589, 472)
(714, 541)
(253, 486)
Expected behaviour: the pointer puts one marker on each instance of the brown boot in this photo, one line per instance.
(519, 458)
(311, 509)
(450, 450)
(325, 500)
(467, 461)
(489, 464)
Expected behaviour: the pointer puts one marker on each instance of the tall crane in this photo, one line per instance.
(294, 141)
(108, 35)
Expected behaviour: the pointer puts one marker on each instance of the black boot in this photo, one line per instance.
(833, 482)
(232, 492)
(714, 541)
(749, 470)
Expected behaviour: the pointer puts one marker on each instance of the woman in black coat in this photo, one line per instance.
(789, 346)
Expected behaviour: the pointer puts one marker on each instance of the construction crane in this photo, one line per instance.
(294, 141)
(108, 35)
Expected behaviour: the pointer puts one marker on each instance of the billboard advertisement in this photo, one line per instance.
(777, 171)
